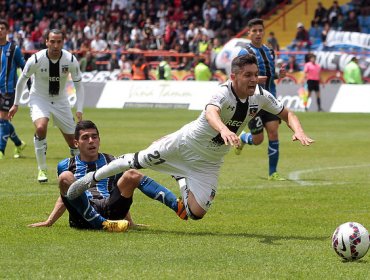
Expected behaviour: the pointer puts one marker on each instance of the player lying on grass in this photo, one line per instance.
(194, 154)
(105, 205)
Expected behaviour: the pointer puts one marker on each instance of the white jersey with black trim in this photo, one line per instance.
(50, 77)
(206, 141)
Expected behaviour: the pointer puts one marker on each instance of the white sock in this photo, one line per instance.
(40, 151)
(114, 167)
(183, 187)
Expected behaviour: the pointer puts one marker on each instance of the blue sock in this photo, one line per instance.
(4, 134)
(84, 208)
(247, 138)
(156, 191)
(273, 153)
(14, 135)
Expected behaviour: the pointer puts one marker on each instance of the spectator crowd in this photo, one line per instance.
(103, 30)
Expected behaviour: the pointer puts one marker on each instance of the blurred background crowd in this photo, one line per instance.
(107, 35)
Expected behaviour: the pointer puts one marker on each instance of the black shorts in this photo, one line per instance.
(313, 85)
(6, 101)
(258, 122)
(115, 207)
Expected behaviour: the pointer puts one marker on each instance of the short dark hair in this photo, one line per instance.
(240, 61)
(4, 22)
(255, 21)
(83, 125)
(55, 31)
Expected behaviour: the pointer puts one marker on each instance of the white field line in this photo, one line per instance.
(296, 175)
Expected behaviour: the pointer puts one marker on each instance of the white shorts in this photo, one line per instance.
(171, 155)
(59, 109)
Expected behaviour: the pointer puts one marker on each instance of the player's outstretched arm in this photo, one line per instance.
(58, 211)
(214, 120)
(294, 124)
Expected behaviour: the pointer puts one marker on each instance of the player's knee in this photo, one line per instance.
(65, 179)
(273, 134)
(130, 180)
(194, 217)
(133, 175)
(193, 209)
(257, 138)
(40, 132)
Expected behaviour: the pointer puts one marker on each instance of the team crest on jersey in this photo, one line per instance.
(253, 109)
(64, 69)
(231, 108)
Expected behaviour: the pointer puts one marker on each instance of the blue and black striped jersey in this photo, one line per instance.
(266, 64)
(79, 168)
(11, 58)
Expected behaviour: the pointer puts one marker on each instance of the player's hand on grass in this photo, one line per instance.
(41, 224)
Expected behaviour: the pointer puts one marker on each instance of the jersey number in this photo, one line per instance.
(155, 158)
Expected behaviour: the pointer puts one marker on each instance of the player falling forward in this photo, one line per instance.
(194, 154)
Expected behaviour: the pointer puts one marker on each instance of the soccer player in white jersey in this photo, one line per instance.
(50, 68)
(194, 153)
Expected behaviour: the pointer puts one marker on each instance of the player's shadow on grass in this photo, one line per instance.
(264, 238)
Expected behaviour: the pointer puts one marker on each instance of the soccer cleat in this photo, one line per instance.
(81, 185)
(43, 176)
(18, 150)
(238, 150)
(181, 211)
(1, 155)
(116, 226)
(276, 177)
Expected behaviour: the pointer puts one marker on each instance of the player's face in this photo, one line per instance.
(256, 33)
(54, 44)
(244, 82)
(3, 32)
(88, 143)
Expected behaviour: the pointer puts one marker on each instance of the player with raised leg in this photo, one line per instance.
(194, 153)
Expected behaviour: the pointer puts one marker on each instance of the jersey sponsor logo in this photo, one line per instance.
(54, 79)
(230, 107)
(233, 123)
(65, 69)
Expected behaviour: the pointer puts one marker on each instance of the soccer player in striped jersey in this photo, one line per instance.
(105, 205)
(266, 66)
(194, 153)
(51, 68)
(10, 59)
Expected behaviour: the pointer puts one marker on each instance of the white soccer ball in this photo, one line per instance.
(351, 241)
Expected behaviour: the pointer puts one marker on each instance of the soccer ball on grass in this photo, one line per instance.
(351, 241)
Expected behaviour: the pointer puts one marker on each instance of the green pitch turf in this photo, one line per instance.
(256, 229)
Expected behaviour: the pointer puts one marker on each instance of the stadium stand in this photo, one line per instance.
(127, 26)
(158, 28)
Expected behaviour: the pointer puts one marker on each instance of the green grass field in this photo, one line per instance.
(256, 229)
